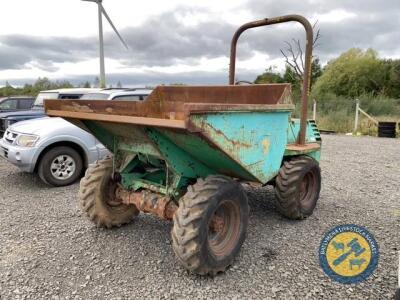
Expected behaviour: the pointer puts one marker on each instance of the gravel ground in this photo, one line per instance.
(48, 250)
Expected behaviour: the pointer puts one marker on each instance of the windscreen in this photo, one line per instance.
(95, 96)
(44, 96)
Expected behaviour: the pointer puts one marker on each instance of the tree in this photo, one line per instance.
(353, 73)
(294, 69)
(392, 78)
(316, 71)
(87, 84)
(269, 76)
(119, 85)
(41, 84)
(295, 57)
(8, 90)
(64, 84)
(28, 90)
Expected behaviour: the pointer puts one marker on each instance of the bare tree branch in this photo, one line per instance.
(292, 62)
(317, 36)
(301, 54)
(294, 53)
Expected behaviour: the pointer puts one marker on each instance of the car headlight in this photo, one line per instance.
(27, 140)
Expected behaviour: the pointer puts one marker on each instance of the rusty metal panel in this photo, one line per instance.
(148, 202)
(156, 122)
(239, 94)
(256, 141)
(171, 102)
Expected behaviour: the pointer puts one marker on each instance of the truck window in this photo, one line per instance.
(128, 98)
(25, 103)
(9, 104)
(70, 96)
(95, 96)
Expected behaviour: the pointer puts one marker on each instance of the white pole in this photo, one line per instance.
(315, 110)
(102, 68)
(357, 111)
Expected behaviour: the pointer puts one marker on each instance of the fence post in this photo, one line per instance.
(357, 112)
(315, 110)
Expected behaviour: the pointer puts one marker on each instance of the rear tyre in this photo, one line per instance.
(210, 225)
(60, 166)
(297, 187)
(97, 197)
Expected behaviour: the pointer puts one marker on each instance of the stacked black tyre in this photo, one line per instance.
(387, 129)
(210, 225)
(297, 188)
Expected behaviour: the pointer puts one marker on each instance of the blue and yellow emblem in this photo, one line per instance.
(348, 253)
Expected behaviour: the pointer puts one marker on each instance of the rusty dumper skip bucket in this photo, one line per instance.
(182, 153)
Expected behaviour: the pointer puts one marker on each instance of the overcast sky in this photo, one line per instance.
(178, 41)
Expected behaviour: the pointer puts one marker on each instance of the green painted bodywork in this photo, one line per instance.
(247, 145)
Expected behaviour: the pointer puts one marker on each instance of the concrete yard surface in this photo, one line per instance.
(50, 250)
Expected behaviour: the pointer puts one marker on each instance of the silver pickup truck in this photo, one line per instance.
(56, 150)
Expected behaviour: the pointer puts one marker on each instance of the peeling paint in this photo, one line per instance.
(265, 144)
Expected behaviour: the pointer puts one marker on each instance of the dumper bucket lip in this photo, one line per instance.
(171, 106)
(78, 109)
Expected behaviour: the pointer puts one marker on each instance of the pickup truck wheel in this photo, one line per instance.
(60, 166)
(210, 225)
(98, 200)
(297, 187)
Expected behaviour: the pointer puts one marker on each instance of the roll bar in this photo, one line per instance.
(307, 68)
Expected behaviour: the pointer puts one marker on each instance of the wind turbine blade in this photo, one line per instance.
(113, 27)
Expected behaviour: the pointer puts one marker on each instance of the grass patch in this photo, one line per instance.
(337, 113)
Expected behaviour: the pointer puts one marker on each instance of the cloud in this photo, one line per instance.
(169, 39)
(21, 51)
(165, 40)
(153, 78)
(364, 24)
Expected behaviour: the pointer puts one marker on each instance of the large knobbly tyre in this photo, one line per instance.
(97, 197)
(397, 294)
(297, 187)
(210, 225)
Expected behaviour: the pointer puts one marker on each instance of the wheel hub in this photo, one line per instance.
(217, 224)
(63, 167)
(224, 228)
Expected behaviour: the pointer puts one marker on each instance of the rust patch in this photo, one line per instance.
(306, 147)
(149, 202)
(177, 102)
(265, 144)
(234, 143)
(81, 108)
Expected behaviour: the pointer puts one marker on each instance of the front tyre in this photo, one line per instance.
(60, 166)
(210, 225)
(297, 187)
(97, 197)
